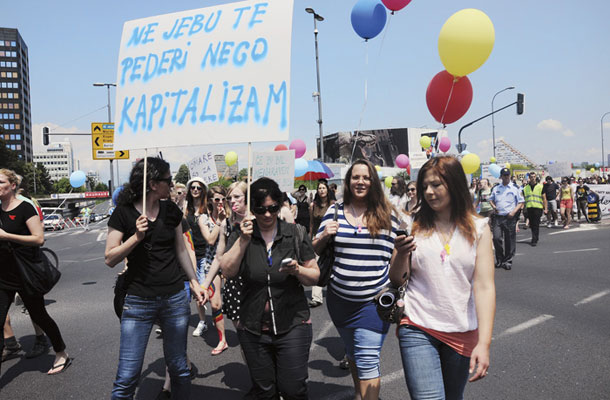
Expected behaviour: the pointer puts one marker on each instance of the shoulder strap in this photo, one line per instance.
(298, 235)
(336, 216)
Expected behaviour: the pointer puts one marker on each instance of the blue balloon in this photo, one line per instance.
(115, 195)
(597, 165)
(77, 179)
(380, 174)
(494, 170)
(368, 18)
(300, 167)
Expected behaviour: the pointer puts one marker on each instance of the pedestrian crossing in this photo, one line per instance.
(99, 229)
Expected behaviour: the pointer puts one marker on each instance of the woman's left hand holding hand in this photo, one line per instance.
(480, 360)
(199, 293)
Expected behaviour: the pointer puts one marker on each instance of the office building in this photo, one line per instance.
(506, 153)
(58, 159)
(15, 114)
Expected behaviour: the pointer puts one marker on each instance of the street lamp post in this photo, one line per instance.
(602, 128)
(108, 86)
(318, 17)
(493, 126)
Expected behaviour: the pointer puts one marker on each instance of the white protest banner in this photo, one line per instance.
(204, 167)
(559, 169)
(208, 76)
(603, 191)
(277, 165)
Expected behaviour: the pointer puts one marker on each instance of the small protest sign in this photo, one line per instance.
(204, 167)
(277, 165)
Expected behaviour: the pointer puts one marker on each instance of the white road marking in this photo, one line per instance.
(100, 237)
(593, 297)
(578, 229)
(65, 248)
(575, 251)
(93, 259)
(525, 325)
(321, 335)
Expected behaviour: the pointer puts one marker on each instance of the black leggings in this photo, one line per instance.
(38, 313)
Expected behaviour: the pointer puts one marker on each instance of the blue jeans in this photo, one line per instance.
(139, 314)
(433, 370)
(363, 347)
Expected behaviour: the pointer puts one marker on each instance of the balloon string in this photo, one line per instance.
(448, 100)
(366, 67)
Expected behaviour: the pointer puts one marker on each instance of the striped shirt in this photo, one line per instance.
(362, 262)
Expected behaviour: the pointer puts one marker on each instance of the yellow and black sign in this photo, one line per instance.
(111, 154)
(102, 140)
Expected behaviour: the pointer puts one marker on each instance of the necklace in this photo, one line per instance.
(445, 239)
(358, 220)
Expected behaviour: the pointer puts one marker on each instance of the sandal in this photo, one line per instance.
(64, 366)
(219, 350)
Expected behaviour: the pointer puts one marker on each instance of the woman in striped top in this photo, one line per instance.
(364, 240)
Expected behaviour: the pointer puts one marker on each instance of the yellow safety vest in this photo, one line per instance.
(533, 199)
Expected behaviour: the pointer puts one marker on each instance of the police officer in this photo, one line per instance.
(506, 201)
(534, 205)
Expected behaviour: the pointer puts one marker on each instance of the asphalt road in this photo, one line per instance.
(551, 336)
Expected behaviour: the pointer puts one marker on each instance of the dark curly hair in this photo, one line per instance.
(132, 191)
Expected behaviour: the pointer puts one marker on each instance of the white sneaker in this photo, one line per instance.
(548, 225)
(556, 223)
(201, 329)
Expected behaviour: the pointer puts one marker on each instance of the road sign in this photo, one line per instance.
(102, 138)
(111, 154)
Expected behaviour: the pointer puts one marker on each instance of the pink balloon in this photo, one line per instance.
(402, 161)
(445, 144)
(280, 147)
(395, 5)
(299, 148)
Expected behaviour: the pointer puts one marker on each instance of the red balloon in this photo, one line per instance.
(440, 96)
(395, 5)
(280, 147)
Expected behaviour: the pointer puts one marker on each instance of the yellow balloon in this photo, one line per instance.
(425, 141)
(577, 172)
(388, 181)
(492, 159)
(466, 41)
(230, 158)
(507, 165)
(592, 170)
(470, 163)
(378, 168)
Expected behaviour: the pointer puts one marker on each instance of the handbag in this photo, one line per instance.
(38, 271)
(390, 304)
(327, 258)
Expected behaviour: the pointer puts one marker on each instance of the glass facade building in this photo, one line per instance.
(15, 114)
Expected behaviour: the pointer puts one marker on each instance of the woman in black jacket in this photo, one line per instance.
(275, 261)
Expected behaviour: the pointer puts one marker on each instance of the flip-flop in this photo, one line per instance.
(217, 350)
(63, 366)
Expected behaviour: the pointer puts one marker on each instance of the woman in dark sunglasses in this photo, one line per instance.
(275, 260)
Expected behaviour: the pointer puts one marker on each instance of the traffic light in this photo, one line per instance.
(520, 97)
(45, 135)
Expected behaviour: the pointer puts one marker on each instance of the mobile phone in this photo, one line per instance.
(402, 232)
(286, 261)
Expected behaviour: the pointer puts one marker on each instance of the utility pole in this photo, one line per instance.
(108, 86)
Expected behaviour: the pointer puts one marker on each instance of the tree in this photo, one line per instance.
(243, 173)
(101, 187)
(62, 186)
(182, 176)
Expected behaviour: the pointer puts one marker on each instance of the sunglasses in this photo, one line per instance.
(411, 190)
(261, 210)
(217, 200)
(179, 193)
(166, 180)
(196, 188)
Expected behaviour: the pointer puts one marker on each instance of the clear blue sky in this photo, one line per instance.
(556, 52)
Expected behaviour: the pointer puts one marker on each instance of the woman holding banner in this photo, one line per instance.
(275, 261)
(149, 235)
(364, 239)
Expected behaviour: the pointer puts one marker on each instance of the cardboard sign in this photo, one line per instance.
(277, 165)
(204, 167)
(207, 76)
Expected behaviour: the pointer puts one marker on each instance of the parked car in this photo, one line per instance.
(95, 217)
(53, 222)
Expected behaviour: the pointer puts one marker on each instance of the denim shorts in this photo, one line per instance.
(187, 287)
(201, 270)
(363, 347)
